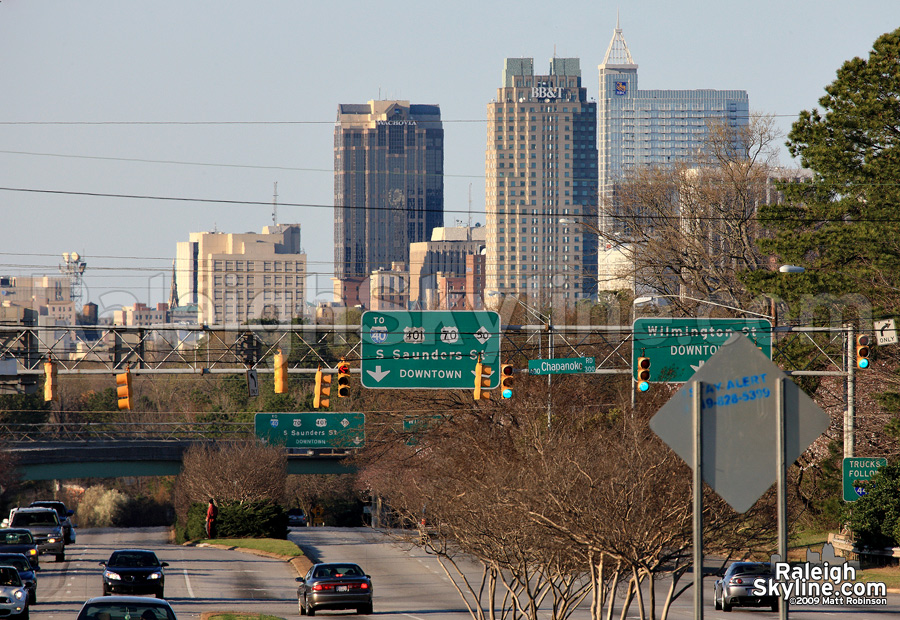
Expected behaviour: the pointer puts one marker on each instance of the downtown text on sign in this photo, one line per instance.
(428, 349)
(678, 347)
(312, 430)
(561, 366)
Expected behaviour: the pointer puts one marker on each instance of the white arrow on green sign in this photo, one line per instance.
(678, 347)
(428, 349)
(561, 366)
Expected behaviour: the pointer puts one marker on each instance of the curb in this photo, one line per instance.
(301, 563)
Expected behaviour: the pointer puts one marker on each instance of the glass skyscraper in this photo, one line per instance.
(388, 188)
(651, 127)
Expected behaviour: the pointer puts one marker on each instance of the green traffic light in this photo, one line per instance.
(643, 386)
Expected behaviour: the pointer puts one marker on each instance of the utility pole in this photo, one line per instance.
(850, 411)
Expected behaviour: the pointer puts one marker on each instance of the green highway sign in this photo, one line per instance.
(678, 347)
(428, 349)
(859, 469)
(312, 430)
(561, 366)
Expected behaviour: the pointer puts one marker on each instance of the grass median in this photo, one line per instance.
(276, 546)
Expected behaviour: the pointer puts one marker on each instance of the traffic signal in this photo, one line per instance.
(123, 389)
(280, 373)
(248, 348)
(323, 389)
(506, 380)
(482, 380)
(862, 351)
(49, 381)
(643, 374)
(343, 381)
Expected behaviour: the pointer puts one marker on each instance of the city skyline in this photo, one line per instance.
(126, 129)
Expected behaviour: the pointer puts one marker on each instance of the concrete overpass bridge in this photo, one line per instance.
(48, 459)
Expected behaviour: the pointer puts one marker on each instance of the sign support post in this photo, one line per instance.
(696, 414)
(781, 481)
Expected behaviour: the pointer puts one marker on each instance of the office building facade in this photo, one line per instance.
(441, 269)
(234, 278)
(651, 127)
(388, 188)
(541, 183)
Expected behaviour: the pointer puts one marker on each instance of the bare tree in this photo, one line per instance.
(551, 515)
(240, 471)
(691, 227)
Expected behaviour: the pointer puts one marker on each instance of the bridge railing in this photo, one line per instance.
(93, 431)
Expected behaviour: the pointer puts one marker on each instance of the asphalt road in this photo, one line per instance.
(409, 585)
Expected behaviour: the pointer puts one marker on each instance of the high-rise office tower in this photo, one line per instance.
(651, 127)
(388, 188)
(541, 183)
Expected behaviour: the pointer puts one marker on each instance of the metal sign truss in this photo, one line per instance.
(229, 349)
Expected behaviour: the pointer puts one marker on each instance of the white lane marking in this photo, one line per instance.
(412, 616)
(187, 581)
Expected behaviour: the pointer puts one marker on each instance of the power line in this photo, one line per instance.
(268, 204)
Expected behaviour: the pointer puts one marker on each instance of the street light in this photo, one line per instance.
(647, 298)
(791, 269)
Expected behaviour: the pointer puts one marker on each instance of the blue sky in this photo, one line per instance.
(114, 113)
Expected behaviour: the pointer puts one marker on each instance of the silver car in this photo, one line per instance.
(735, 588)
(44, 525)
(13, 595)
(334, 586)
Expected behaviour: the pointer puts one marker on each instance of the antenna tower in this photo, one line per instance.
(275, 205)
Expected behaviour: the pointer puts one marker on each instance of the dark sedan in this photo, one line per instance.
(126, 608)
(16, 540)
(334, 586)
(134, 571)
(26, 572)
(735, 588)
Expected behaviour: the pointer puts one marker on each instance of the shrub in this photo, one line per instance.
(261, 519)
(875, 517)
(100, 506)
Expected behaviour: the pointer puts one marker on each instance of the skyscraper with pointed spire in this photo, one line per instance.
(651, 127)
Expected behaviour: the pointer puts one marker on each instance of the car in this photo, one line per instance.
(134, 571)
(296, 517)
(339, 585)
(44, 525)
(735, 588)
(27, 573)
(13, 595)
(126, 608)
(19, 540)
(64, 514)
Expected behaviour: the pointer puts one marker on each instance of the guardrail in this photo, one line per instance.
(159, 431)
